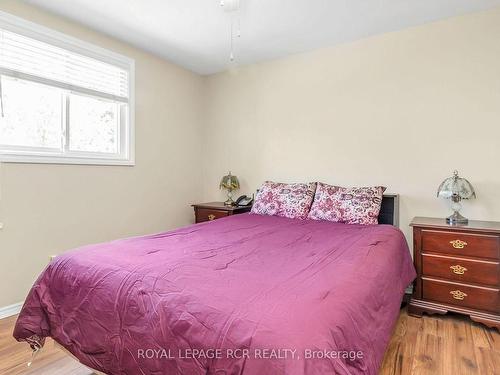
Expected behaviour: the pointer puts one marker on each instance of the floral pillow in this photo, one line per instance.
(358, 205)
(287, 200)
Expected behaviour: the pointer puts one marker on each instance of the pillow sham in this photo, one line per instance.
(357, 205)
(287, 200)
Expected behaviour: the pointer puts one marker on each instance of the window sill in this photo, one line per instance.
(45, 159)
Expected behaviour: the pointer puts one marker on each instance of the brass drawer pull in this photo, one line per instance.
(211, 217)
(458, 269)
(458, 294)
(458, 244)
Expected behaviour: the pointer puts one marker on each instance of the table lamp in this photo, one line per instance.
(229, 183)
(456, 188)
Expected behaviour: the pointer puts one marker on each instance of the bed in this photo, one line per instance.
(247, 294)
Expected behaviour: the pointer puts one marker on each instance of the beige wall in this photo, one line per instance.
(47, 209)
(401, 109)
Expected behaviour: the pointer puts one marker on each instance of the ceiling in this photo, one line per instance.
(195, 33)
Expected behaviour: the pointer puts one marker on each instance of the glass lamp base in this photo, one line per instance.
(229, 201)
(456, 218)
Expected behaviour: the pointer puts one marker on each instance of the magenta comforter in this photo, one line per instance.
(247, 294)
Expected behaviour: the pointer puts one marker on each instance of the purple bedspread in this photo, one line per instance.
(247, 294)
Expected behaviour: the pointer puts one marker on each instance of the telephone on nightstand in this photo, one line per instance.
(244, 201)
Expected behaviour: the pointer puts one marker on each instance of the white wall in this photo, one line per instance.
(401, 109)
(47, 209)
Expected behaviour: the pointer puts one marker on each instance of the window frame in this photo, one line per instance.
(126, 136)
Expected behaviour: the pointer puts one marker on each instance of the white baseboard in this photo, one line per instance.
(10, 310)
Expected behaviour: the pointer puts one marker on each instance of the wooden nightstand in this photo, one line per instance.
(216, 210)
(458, 269)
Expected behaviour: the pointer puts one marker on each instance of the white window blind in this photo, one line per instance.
(63, 100)
(28, 58)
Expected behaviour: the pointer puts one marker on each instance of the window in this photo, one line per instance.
(62, 100)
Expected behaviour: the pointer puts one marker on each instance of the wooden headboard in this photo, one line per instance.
(389, 211)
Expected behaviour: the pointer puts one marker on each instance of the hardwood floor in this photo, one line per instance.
(437, 345)
(441, 345)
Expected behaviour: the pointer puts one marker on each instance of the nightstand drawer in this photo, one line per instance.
(458, 269)
(205, 214)
(457, 243)
(215, 210)
(487, 299)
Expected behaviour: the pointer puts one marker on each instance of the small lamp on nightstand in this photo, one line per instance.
(456, 188)
(229, 183)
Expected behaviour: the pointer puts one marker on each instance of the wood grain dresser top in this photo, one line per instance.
(473, 225)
